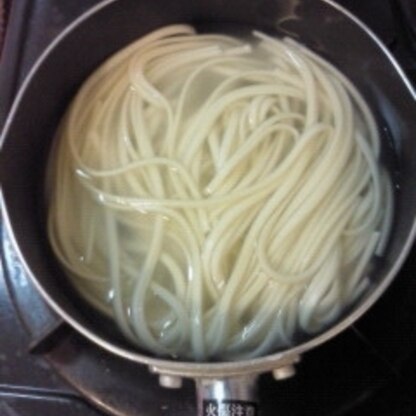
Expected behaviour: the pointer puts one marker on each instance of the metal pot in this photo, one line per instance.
(320, 24)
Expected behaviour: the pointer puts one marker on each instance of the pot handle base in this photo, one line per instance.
(231, 396)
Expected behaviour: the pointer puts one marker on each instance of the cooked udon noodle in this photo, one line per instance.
(216, 197)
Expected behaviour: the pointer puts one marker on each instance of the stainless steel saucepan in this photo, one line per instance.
(320, 24)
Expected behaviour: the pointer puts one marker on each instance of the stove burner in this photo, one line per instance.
(365, 370)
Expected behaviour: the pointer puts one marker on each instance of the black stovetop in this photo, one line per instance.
(46, 369)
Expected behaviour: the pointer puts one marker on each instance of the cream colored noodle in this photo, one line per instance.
(218, 198)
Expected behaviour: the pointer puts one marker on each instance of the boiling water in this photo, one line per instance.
(217, 198)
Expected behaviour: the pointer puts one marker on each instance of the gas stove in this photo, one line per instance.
(48, 369)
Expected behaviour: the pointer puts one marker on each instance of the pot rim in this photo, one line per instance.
(187, 368)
